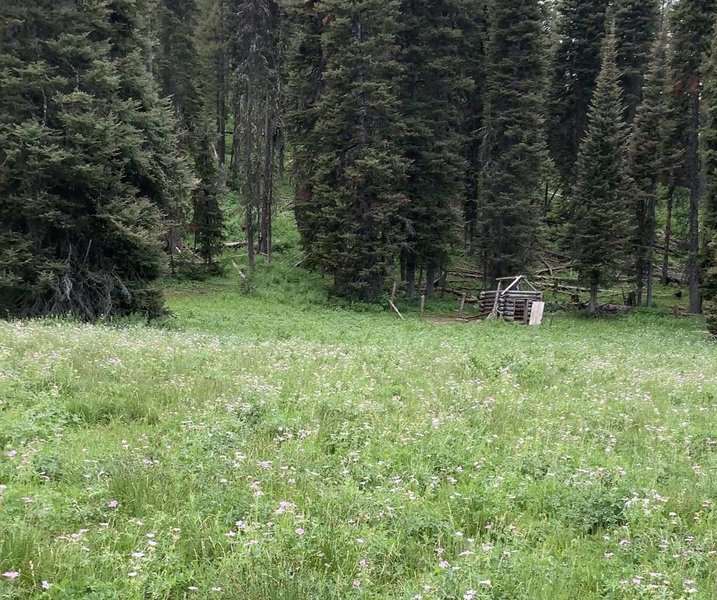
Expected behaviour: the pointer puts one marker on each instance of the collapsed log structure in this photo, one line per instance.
(516, 300)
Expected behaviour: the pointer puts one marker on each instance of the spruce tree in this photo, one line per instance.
(647, 165)
(693, 28)
(472, 21)
(305, 66)
(513, 154)
(636, 23)
(599, 230)
(90, 162)
(351, 195)
(179, 71)
(709, 142)
(433, 87)
(581, 28)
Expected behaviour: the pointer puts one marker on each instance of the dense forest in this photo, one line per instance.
(413, 132)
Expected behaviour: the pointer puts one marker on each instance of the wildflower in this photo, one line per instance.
(357, 583)
(469, 595)
(216, 588)
(112, 504)
(285, 506)
(299, 531)
(45, 585)
(11, 574)
(444, 564)
(12, 453)
(137, 554)
(132, 574)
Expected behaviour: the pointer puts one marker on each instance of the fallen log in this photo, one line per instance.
(234, 245)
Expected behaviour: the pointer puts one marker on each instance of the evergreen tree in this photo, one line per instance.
(636, 23)
(90, 162)
(256, 60)
(692, 25)
(305, 67)
(433, 87)
(213, 43)
(178, 65)
(179, 73)
(352, 192)
(599, 232)
(208, 219)
(513, 153)
(581, 28)
(472, 21)
(648, 164)
(709, 141)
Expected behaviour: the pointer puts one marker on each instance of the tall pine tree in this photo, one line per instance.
(636, 23)
(514, 151)
(581, 27)
(352, 195)
(473, 24)
(179, 71)
(256, 60)
(648, 163)
(89, 159)
(692, 25)
(433, 88)
(305, 67)
(709, 141)
(599, 232)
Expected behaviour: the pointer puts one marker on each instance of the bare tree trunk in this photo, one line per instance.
(592, 309)
(430, 281)
(268, 182)
(410, 275)
(668, 234)
(249, 184)
(640, 278)
(222, 111)
(236, 137)
(651, 227)
(693, 265)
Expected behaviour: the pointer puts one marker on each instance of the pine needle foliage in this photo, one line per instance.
(90, 162)
(580, 31)
(433, 88)
(514, 151)
(599, 230)
(353, 192)
(636, 23)
(709, 145)
(648, 164)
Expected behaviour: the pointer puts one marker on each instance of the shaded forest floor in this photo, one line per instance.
(268, 444)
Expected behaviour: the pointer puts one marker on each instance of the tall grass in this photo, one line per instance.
(269, 444)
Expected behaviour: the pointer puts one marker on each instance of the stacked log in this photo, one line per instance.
(513, 305)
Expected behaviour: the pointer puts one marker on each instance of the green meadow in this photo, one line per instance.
(265, 444)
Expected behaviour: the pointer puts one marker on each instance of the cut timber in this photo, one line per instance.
(234, 245)
(398, 312)
(536, 314)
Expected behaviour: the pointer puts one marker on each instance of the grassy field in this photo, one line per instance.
(268, 445)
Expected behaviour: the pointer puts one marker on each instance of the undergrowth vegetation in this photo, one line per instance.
(268, 444)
